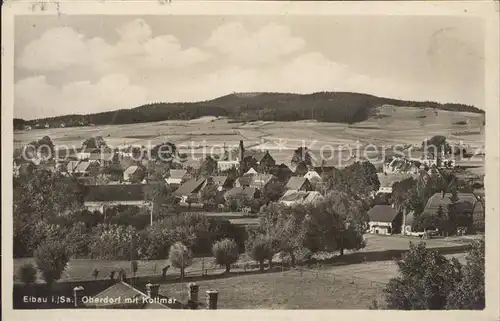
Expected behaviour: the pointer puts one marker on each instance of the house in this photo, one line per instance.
(326, 166)
(260, 181)
(406, 227)
(103, 158)
(468, 205)
(262, 158)
(222, 182)
(384, 219)
(100, 197)
(134, 173)
(313, 176)
(190, 190)
(249, 192)
(122, 295)
(299, 184)
(400, 165)
(294, 197)
(245, 180)
(388, 179)
(176, 177)
(251, 171)
(226, 165)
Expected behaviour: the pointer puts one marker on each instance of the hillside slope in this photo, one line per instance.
(341, 107)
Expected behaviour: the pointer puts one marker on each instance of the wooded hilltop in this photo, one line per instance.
(341, 107)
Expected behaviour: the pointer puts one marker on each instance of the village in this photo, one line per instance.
(418, 198)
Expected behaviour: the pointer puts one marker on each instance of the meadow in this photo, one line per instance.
(81, 269)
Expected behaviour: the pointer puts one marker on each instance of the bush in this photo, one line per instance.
(181, 257)
(51, 259)
(113, 242)
(225, 252)
(27, 273)
(260, 248)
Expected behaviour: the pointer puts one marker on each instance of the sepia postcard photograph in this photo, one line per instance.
(250, 156)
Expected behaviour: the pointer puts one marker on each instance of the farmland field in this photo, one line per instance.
(198, 137)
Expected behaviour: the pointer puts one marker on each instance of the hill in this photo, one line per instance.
(341, 107)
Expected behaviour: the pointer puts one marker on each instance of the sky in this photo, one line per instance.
(89, 64)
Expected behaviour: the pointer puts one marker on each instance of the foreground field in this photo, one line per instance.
(81, 269)
(343, 287)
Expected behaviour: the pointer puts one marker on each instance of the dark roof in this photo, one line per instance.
(246, 179)
(189, 187)
(114, 192)
(122, 291)
(248, 191)
(177, 173)
(382, 213)
(260, 180)
(258, 155)
(296, 182)
(466, 202)
(219, 180)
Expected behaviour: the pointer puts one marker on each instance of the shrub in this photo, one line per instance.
(180, 256)
(225, 252)
(51, 259)
(27, 273)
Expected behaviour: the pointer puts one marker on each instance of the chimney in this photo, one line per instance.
(212, 296)
(193, 292)
(78, 295)
(152, 290)
(241, 150)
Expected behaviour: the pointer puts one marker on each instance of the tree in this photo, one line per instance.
(180, 256)
(426, 278)
(208, 167)
(27, 274)
(247, 163)
(209, 196)
(94, 142)
(134, 266)
(469, 293)
(95, 273)
(164, 152)
(302, 155)
(259, 247)
(225, 252)
(272, 192)
(436, 146)
(51, 259)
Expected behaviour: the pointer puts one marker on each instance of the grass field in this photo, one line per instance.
(81, 269)
(342, 287)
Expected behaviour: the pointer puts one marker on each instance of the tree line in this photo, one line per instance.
(342, 107)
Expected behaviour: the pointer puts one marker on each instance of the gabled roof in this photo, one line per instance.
(248, 191)
(313, 196)
(72, 165)
(387, 180)
(115, 192)
(296, 182)
(294, 196)
(219, 180)
(382, 213)
(120, 292)
(260, 180)
(258, 155)
(189, 186)
(82, 167)
(130, 170)
(466, 202)
(246, 179)
(177, 173)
